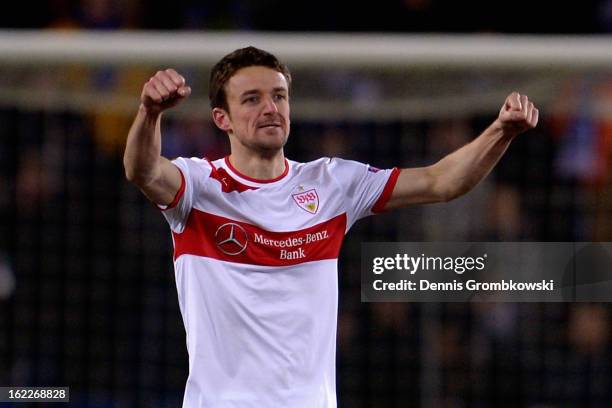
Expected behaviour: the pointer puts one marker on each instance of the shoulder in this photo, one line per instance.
(301, 166)
(193, 161)
(334, 167)
(194, 164)
(340, 172)
(328, 163)
(195, 170)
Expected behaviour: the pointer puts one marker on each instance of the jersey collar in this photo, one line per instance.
(235, 173)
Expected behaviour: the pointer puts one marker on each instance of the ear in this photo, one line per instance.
(221, 119)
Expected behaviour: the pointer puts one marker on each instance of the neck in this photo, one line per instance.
(260, 167)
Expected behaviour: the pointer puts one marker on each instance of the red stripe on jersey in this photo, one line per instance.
(216, 237)
(228, 183)
(379, 205)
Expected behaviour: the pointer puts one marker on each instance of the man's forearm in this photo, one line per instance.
(143, 147)
(460, 171)
(463, 169)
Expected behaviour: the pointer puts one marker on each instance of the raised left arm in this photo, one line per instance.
(460, 171)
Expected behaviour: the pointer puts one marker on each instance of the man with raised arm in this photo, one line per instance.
(257, 236)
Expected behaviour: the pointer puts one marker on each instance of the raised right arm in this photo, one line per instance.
(144, 165)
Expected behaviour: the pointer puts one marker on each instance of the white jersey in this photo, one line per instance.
(256, 274)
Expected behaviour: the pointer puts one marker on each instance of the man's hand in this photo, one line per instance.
(518, 114)
(163, 91)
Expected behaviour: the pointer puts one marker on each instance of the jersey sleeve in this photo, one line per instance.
(366, 188)
(194, 173)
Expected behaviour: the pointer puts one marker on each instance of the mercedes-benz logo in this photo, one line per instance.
(231, 239)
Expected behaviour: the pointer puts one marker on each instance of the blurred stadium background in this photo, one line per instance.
(87, 295)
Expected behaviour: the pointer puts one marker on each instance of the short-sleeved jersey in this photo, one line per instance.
(256, 274)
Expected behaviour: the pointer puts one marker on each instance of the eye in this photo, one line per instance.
(279, 97)
(251, 100)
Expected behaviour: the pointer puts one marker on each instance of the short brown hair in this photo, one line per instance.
(228, 65)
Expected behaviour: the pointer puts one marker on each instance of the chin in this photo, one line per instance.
(276, 140)
(273, 145)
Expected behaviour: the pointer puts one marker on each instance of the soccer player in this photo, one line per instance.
(257, 236)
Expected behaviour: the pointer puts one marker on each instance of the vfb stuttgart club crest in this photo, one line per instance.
(307, 200)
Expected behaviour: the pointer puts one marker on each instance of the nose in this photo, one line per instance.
(270, 106)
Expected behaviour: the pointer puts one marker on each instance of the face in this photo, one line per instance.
(258, 102)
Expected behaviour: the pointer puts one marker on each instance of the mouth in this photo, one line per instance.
(269, 126)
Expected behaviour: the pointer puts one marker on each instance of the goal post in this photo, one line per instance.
(338, 76)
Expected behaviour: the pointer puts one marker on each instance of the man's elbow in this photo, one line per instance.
(446, 193)
(135, 176)
(442, 188)
(130, 173)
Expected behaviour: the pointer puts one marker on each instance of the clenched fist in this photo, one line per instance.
(518, 114)
(163, 91)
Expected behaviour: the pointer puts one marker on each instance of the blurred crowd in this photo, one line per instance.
(521, 16)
